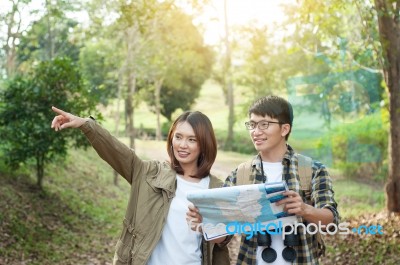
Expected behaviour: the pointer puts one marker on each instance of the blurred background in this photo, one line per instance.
(136, 65)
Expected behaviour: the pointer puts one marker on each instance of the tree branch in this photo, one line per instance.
(397, 11)
(370, 40)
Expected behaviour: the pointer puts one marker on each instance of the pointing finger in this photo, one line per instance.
(59, 111)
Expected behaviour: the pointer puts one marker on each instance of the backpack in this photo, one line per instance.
(305, 175)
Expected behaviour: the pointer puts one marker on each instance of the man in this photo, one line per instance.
(270, 123)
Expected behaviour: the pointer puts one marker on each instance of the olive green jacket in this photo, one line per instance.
(153, 186)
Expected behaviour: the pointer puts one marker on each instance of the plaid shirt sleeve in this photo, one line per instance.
(322, 196)
(230, 181)
(322, 190)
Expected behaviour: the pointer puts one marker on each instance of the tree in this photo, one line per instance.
(100, 70)
(223, 74)
(389, 27)
(25, 113)
(36, 45)
(122, 25)
(177, 63)
(13, 21)
(331, 40)
(228, 81)
(368, 47)
(111, 60)
(260, 68)
(32, 32)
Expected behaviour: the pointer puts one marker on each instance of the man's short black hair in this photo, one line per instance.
(274, 107)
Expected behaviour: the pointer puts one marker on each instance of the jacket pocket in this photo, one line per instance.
(124, 245)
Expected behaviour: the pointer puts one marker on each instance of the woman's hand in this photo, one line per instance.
(66, 120)
(194, 219)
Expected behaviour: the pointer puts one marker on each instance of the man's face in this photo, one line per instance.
(268, 134)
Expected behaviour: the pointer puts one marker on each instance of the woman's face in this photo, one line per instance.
(185, 145)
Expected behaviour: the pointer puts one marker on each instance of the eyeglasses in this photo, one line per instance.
(262, 125)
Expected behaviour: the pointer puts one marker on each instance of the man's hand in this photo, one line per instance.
(293, 203)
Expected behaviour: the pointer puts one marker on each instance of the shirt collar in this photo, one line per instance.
(287, 158)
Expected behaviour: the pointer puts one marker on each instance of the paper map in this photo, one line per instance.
(253, 204)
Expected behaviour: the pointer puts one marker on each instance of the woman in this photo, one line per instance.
(155, 231)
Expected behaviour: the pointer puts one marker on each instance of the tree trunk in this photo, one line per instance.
(131, 86)
(40, 170)
(228, 83)
(13, 32)
(157, 92)
(117, 118)
(130, 129)
(49, 31)
(389, 33)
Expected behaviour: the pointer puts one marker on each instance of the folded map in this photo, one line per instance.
(248, 206)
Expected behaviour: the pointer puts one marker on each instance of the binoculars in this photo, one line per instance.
(269, 254)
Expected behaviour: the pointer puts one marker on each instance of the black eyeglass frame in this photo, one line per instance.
(247, 124)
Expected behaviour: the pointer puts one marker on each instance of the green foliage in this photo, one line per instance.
(37, 46)
(241, 142)
(340, 33)
(341, 96)
(333, 56)
(138, 13)
(259, 72)
(26, 115)
(359, 149)
(49, 37)
(98, 69)
(177, 55)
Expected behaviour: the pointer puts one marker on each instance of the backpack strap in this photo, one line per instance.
(243, 174)
(305, 177)
(305, 172)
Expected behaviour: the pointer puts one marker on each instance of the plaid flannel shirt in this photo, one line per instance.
(321, 197)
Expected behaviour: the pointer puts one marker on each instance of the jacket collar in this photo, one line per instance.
(214, 182)
(167, 180)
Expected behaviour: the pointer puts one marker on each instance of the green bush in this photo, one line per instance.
(165, 128)
(241, 142)
(150, 133)
(359, 149)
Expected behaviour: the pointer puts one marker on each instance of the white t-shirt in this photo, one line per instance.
(178, 243)
(273, 171)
